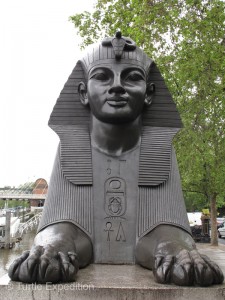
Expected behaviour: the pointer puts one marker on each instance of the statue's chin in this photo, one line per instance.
(117, 119)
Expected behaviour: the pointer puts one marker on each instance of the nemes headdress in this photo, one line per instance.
(117, 49)
(70, 119)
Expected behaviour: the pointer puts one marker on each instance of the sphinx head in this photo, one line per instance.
(117, 82)
(117, 85)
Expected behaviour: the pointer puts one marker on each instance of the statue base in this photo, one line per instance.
(116, 282)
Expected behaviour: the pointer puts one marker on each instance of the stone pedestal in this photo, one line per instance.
(109, 282)
(117, 282)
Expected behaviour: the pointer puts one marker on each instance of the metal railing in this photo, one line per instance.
(31, 224)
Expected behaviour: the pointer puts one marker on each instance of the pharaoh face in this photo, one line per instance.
(117, 92)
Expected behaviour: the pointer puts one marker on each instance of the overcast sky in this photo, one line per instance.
(38, 50)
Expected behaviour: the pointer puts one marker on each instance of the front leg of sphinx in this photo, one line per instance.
(58, 252)
(171, 253)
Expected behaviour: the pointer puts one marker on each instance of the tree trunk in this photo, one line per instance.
(213, 208)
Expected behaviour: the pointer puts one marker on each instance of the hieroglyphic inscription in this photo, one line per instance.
(119, 235)
(108, 230)
(115, 196)
(114, 207)
(121, 163)
(115, 203)
(109, 170)
(116, 166)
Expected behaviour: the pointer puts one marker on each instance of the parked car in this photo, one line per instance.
(220, 222)
(221, 231)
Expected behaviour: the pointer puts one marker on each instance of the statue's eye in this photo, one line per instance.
(134, 76)
(99, 76)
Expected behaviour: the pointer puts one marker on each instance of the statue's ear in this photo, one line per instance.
(150, 91)
(82, 90)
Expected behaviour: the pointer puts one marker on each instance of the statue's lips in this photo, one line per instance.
(117, 101)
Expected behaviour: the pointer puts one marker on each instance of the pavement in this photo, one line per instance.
(215, 253)
(120, 282)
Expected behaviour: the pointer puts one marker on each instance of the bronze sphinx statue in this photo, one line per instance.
(115, 195)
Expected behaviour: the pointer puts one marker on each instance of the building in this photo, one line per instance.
(40, 188)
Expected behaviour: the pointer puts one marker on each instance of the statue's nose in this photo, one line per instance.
(117, 86)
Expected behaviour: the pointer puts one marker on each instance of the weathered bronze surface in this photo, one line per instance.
(115, 194)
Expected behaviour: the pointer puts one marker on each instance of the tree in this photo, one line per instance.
(187, 41)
